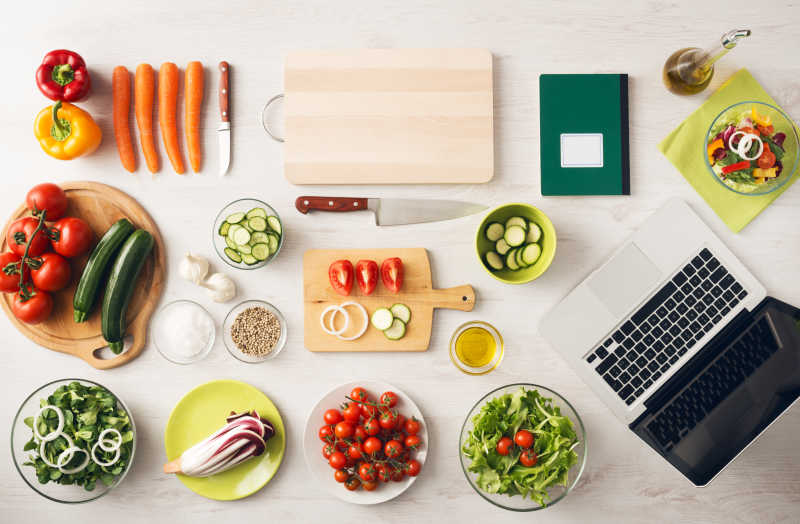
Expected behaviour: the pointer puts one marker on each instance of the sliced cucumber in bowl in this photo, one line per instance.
(250, 237)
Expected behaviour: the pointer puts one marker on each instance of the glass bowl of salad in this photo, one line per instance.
(751, 148)
(83, 443)
(523, 447)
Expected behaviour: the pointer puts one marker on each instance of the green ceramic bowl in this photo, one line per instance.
(547, 241)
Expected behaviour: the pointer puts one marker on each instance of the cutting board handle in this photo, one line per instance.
(461, 298)
(138, 331)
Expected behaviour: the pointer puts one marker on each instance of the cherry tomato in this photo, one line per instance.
(412, 426)
(367, 472)
(397, 474)
(344, 430)
(504, 445)
(340, 475)
(413, 467)
(393, 448)
(9, 281)
(328, 450)
(352, 413)
(372, 427)
(389, 399)
(73, 237)
(326, 433)
(47, 197)
(401, 422)
(413, 442)
(388, 420)
(340, 274)
(369, 486)
(392, 274)
(367, 276)
(767, 158)
(35, 309)
(53, 274)
(372, 445)
(337, 460)
(342, 446)
(352, 484)
(359, 393)
(355, 451)
(332, 416)
(384, 473)
(20, 231)
(523, 439)
(369, 411)
(528, 458)
(360, 434)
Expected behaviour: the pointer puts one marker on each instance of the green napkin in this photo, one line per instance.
(683, 147)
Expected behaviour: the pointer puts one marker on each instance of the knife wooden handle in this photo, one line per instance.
(224, 91)
(320, 203)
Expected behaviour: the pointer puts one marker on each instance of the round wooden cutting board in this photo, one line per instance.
(100, 206)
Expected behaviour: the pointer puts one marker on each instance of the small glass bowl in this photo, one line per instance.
(20, 434)
(498, 354)
(230, 345)
(791, 144)
(162, 346)
(243, 205)
(557, 493)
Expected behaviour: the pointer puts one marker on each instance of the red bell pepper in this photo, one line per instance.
(63, 76)
(744, 164)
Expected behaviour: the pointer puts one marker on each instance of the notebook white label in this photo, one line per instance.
(581, 150)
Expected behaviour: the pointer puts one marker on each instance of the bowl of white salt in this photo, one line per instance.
(184, 332)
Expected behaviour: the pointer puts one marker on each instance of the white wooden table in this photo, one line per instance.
(624, 480)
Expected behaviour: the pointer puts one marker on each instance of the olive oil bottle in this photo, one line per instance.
(690, 70)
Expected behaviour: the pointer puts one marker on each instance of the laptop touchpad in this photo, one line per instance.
(625, 280)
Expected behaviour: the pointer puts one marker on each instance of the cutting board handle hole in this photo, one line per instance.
(271, 123)
(464, 298)
(104, 353)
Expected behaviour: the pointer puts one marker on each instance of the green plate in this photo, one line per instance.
(200, 413)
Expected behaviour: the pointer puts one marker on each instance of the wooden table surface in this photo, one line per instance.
(624, 480)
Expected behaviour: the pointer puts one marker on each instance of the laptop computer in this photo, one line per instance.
(682, 343)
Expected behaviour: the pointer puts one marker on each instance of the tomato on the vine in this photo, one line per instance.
(393, 449)
(360, 434)
(369, 411)
(53, 274)
(332, 416)
(344, 430)
(73, 237)
(352, 484)
(47, 197)
(504, 445)
(340, 475)
(412, 426)
(401, 422)
(367, 472)
(413, 468)
(9, 279)
(384, 474)
(328, 450)
(337, 460)
(34, 309)
(389, 399)
(372, 427)
(326, 433)
(352, 413)
(413, 442)
(355, 451)
(523, 439)
(372, 445)
(388, 420)
(528, 458)
(359, 393)
(21, 231)
(397, 474)
(369, 485)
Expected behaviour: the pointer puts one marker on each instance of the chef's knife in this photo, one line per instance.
(391, 211)
(224, 129)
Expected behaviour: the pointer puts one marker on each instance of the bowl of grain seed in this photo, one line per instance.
(254, 331)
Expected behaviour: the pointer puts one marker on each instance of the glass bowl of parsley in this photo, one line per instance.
(73, 440)
(523, 447)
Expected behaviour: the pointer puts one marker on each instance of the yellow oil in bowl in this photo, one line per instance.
(476, 348)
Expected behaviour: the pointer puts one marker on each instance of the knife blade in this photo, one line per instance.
(224, 129)
(392, 211)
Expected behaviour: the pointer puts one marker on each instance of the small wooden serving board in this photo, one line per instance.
(417, 293)
(389, 116)
(100, 206)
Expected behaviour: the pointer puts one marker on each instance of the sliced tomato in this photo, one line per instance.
(367, 275)
(340, 273)
(392, 274)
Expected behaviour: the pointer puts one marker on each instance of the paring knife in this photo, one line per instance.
(392, 211)
(224, 129)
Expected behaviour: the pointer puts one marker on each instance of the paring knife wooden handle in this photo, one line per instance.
(320, 203)
(224, 91)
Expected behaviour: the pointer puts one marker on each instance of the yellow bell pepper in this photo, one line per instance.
(713, 146)
(762, 120)
(66, 131)
(771, 172)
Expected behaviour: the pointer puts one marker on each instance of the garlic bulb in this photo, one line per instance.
(193, 268)
(220, 287)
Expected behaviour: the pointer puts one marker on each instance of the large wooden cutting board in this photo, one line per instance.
(389, 116)
(100, 206)
(417, 293)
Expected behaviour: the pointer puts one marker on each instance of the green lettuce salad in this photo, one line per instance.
(554, 445)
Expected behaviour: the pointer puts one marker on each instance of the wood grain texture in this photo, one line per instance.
(389, 116)
(417, 293)
(224, 91)
(100, 206)
(304, 204)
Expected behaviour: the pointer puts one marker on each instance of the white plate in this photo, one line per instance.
(312, 445)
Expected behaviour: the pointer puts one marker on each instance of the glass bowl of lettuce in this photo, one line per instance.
(559, 446)
(751, 148)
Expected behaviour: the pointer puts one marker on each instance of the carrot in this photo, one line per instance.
(144, 90)
(193, 89)
(167, 113)
(121, 89)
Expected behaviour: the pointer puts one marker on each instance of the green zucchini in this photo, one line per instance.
(120, 286)
(97, 267)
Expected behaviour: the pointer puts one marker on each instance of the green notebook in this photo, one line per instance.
(583, 128)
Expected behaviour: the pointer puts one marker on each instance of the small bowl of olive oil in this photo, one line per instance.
(476, 348)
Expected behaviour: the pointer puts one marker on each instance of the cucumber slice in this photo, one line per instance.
(246, 226)
(232, 229)
(494, 261)
(223, 228)
(511, 260)
(245, 249)
(521, 263)
(249, 260)
(272, 243)
(401, 311)
(494, 232)
(241, 236)
(261, 251)
(230, 243)
(234, 218)
(382, 318)
(502, 247)
(514, 236)
(257, 212)
(531, 254)
(259, 237)
(257, 223)
(396, 331)
(534, 233)
(517, 221)
(275, 224)
(233, 255)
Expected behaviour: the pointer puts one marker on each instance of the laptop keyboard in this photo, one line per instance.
(707, 390)
(652, 340)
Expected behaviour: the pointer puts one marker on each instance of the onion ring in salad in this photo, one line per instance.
(745, 143)
(61, 461)
(115, 444)
(56, 432)
(330, 330)
(43, 456)
(101, 463)
(366, 320)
